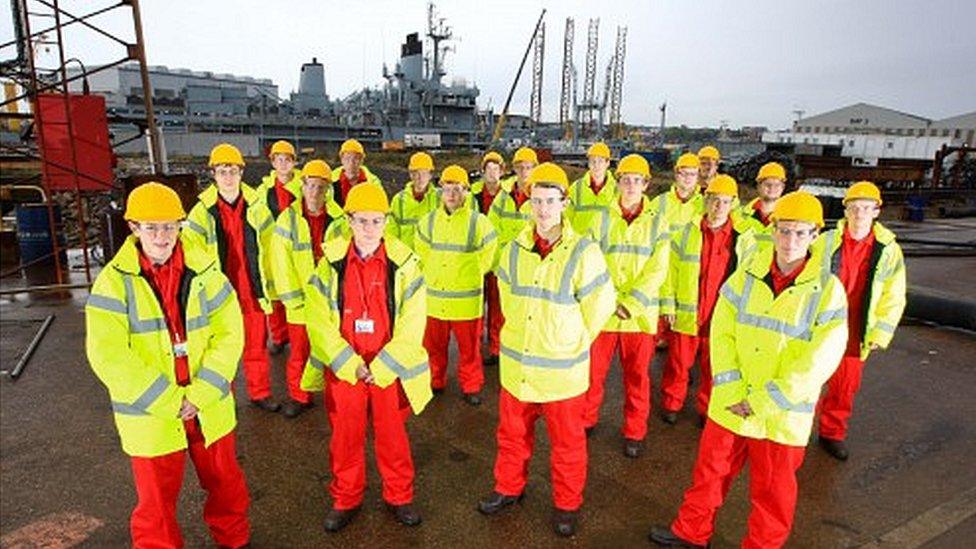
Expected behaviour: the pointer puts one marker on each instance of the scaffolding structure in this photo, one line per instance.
(538, 63)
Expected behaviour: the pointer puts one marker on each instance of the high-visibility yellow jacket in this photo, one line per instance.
(128, 347)
(292, 259)
(679, 295)
(455, 252)
(589, 213)
(507, 219)
(205, 231)
(637, 257)
(554, 308)
(474, 196)
(775, 352)
(336, 194)
(402, 358)
(886, 283)
(405, 210)
(670, 207)
(269, 197)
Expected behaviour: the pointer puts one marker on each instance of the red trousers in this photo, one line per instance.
(257, 368)
(772, 487)
(636, 352)
(297, 357)
(158, 481)
(682, 350)
(495, 319)
(349, 407)
(437, 337)
(278, 324)
(567, 440)
(838, 402)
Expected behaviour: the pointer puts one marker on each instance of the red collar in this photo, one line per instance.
(543, 246)
(379, 255)
(629, 217)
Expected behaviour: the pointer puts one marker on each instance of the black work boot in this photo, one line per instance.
(405, 514)
(474, 399)
(663, 536)
(337, 519)
(836, 448)
(495, 502)
(266, 404)
(633, 448)
(669, 417)
(564, 522)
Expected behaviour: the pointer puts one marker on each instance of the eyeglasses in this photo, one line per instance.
(799, 233)
(861, 208)
(551, 201)
(687, 173)
(159, 228)
(226, 171)
(367, 222)
(448, 188)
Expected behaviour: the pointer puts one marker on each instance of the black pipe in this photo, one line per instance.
(940, 308)
(19, 368)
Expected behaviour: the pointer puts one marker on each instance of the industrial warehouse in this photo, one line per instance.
(449, 275)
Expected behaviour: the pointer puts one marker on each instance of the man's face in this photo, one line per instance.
(792, 239)
(547, 206)
(522, 170)
(492, 172)
(157, 239)
(708, 168)
(770, 189)
(861, 213)
(453, 195)
(313, 189)
(228, 177)
(367, 228)
(717, 208)
(351, 162)
(419, 179)
(283, 164)
(598, 166)
(686, 179)
(631, 187)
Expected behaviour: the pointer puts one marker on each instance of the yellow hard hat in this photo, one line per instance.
(709, 152)
(367, 197)
(455, 174)
(282, 147)
(525, 154)
(687, 160)
(225, 153)
(863, 190)
(723, 184)
(599, 149)
(421, 161)
(771, 170)
(317, 168)
(634, 163)
(492, 156)
(352, 146)
(547, 172)
(153, 202)
(798, 206)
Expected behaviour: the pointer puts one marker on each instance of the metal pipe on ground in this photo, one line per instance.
(22, 363)
(941, 308)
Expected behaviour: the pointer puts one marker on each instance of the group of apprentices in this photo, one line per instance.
(568, 275)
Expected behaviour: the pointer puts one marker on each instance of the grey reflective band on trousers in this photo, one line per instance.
(140, 407)
(545, 362)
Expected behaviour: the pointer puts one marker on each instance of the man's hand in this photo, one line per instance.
(187, 410)
(874, 346)
(741, 409)
(622, 312)
(363, 374)
(669, 319)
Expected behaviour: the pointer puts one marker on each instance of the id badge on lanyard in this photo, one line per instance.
(364, 325)
(179, 349)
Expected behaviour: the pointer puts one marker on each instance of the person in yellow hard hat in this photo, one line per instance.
(704, 253)
(591, 196)
(414, 201)
(556, 295)
(164, 334)
(709, 157)
(351, 172)
(277, 191)
(483, 194)
(234, 226)
(456, 246)
(778, 330)
(368, 297)
(869, 262)
(770, 183)
(510, 209)
(296, 247)
(637, 257)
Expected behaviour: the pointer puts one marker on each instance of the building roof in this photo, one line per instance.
(865, 114)
(965, 120)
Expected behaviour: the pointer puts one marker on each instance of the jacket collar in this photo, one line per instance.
(126, 259)
(762, 259)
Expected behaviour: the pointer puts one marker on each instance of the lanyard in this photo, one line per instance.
(366, 295)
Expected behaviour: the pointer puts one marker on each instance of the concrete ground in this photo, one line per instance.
(910, 482)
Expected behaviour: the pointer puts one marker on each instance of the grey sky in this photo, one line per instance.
(748, 63)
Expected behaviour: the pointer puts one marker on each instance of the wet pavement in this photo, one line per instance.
(911, 480)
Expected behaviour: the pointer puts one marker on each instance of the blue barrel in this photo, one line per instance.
(34, 233)
(916, 208)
